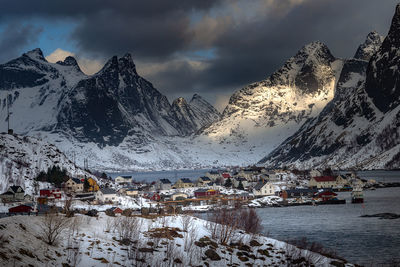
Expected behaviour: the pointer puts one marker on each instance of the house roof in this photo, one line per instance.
(107, 191)
(165, 181)
(76, 180)
(200, 190)
(226, 175)
(15, 188)
(7, 193)
(327, 193)
(126, 177)
(186, 180)
(325, 178)
(205, 178)
(260, 185)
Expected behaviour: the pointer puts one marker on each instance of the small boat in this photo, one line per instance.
(357, 195)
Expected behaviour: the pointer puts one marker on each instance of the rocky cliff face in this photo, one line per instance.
(371, 45)
(359, 128)
(382, 82)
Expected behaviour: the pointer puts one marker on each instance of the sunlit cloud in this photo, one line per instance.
(88, 66)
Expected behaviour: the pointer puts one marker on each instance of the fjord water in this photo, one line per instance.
(366, 241)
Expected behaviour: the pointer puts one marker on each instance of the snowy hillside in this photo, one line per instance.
(360, 127)
(22, 158)
(163, 241)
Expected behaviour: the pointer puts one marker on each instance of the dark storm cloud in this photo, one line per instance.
(251, 51)
(14, 37)
(151, 28)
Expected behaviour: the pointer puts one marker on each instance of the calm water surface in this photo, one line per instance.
(367, 241)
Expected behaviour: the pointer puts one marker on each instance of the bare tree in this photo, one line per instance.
(223, 225)
(52, 225)
(249, 221)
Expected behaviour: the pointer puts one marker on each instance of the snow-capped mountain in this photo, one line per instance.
(114, 108)
(194, 115)
(360, 127)
(262, 115)
(22, 158)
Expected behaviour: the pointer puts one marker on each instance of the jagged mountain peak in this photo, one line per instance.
(123, 64)
(316, 50)
(35, 54)
(370, 46)
(70, 61)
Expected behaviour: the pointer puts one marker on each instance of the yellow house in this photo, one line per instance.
(323, 182)
(93, 186)
(183, 183)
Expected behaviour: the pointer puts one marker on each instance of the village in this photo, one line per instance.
(247, 187)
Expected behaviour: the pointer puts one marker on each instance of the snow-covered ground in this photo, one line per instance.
(91, 241)
(22, 158)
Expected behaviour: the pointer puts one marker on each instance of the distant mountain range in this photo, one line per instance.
(317, 110)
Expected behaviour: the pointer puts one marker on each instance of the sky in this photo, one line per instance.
(209, 47)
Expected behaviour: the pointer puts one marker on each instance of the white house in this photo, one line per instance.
(74, 185)
(179, 196)
(123, 179)
(163, 184)
(105, 195)
(264, 189)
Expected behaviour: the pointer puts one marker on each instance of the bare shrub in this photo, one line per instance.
(223, 224)
(52, 225)
(127, 227)
(186, 221)
(249, 221)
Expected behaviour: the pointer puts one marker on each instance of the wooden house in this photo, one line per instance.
(204, 181)
(323, 182)
(106, 195)
(14, 193)
(123, 179)
(51, 194)
(264, 189)
(74, 185)
(183, 183)
(200, 193)
(163, 184)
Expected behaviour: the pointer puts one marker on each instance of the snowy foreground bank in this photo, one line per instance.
(163, 241)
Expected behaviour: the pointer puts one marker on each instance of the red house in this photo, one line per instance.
(326, 195)
(205, 192)
(116, 210)
(226, 175)
(20, 209)
(51, 193)
(153, 196)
